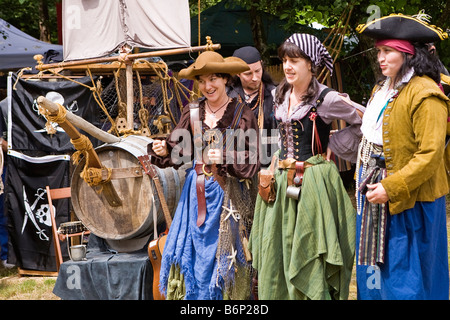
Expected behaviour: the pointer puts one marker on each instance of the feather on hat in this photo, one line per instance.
(399, 26)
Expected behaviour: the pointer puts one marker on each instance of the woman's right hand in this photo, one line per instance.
(160, 148)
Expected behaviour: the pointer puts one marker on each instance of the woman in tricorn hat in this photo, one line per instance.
(402, 178)
(302, 242)
(204, 208)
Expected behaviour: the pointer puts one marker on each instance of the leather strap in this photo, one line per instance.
(151, 171)
(289, 163)
(299, 171)
(163, 202)
(316, 144)
(200, 187)
(200, 181)
(196, 127)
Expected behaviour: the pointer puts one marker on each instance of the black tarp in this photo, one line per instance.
(28, 125)
(17, 48)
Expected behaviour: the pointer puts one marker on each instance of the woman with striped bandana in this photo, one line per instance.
(303, 242)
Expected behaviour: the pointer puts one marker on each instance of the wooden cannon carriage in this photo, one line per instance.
(120, 208)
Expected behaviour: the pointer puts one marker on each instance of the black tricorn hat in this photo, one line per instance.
(399, 26)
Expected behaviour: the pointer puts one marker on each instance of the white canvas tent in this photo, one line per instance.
(18, 48)
(93, 29)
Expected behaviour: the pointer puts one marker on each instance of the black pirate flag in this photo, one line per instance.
(27, 208)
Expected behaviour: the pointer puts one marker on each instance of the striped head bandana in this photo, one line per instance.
(313, 48)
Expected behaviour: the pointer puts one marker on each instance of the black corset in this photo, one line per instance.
(296, 137)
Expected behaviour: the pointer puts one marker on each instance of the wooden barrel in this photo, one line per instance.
(129, 226)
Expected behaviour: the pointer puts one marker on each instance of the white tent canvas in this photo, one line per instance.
(18, 48)
(93, 29)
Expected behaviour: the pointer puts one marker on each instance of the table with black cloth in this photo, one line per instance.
(106, 275)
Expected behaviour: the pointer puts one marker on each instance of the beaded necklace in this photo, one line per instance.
(259, 104)
(367, 148)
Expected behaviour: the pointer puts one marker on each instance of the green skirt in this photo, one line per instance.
(304, 249)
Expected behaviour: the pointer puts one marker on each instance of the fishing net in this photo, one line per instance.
(235, 272)
(157, 103)
(158, 97)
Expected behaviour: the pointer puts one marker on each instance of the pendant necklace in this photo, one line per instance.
(213, 113)
(248, 96)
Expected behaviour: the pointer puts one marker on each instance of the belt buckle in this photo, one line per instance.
(208, 174)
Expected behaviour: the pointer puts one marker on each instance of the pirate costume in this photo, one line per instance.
(260, 101)
(402, 244)
(310, 239)
(204, 254)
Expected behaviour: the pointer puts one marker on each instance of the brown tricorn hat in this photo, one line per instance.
(212, 62)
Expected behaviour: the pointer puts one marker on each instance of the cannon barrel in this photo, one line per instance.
(78, 122)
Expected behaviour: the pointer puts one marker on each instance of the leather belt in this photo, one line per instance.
(201, 170)
(295, 168)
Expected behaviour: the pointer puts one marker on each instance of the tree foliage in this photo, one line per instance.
(358, 77)
(30, 16)
(34, 17)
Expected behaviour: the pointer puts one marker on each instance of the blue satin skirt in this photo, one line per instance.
(416, 261)
(194, 248)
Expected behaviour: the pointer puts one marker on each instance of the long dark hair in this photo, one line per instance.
(423, 62)
(291, 50)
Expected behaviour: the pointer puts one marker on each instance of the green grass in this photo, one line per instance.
(26, 288)
(7, 272)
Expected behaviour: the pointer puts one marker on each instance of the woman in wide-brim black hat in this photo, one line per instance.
(192, 266)
(401, 170)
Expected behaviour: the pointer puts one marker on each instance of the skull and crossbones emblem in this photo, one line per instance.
(39, 216)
